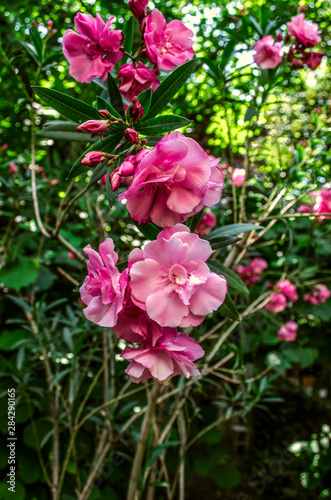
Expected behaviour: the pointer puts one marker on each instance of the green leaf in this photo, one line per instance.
(37, 42)
(12, 339)
(103, 104)
(170, 86)
(20, 273)
(231, 230)
(145, 99)
(228, 309)
(158, 450)
(213, 69)
(193, 221)
(227, 53)
(256, 25)
(30, 49)
(263, 17)
(223, 242)
(99, 171)
(161, 124)
(73, 109)
(150, 231)
(63, 130)
(107, 145)
(226, 476)
(231, 277)
(115, 96)
(128, 32)
(250, 113)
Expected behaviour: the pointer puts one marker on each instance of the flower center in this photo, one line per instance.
(178, 274)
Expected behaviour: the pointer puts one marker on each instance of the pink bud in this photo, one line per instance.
(93, 158)
(126, 169)
(314, 59)
(115, 180)
(54, 31)
(136, 109)
(138, 8)
(3, 147)
(94, 127)
(71, 255)
(302, 8)
(131, 135)
(279, 37)
(43, 175)
(39, 169)
(318, 110)
(238, 177)
(12, 168)
(35, 24)
(103, 180)
(104, 114)
(49, 24)
(54, 182)
(304, 144)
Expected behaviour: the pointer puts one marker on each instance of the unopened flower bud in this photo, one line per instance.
(94, 127)
(136, 109)
(127, 168)
(54, 182)
(304, 144)
(35, 24)
(318, 110)
(104, 114)
(115, 180)
(131, 135)
(49, 24)
(93, 158)
(54, 31)
(302, 8)
(279, 37)
(138, 8)
(12, 168)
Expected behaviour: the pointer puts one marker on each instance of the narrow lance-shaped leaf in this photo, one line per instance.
(107, 145)
(162, 124)
(103, 104)
(73, 109)
(229, 309)
(63, 130)
(150, 231)
(37, 42)
(170, 86)
(231, 277)
(128, 32)
(115, 96)
(232, 230)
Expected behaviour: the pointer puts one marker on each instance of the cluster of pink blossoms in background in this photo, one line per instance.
(167, 285)
(322, 204)
(269, 55)
(318, 295)
(288, 332)
(251, 273)
(96, 49)
(279, 300)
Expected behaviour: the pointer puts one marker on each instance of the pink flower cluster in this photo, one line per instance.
(206, 223)
(167, 285)
(278, 301)
(322, 204)
(269, 55)
(318, 295)
(288, 332)
(172, 182)
(251, 273)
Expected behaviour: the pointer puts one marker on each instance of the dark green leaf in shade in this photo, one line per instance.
(150, 231)
(37, 42)
(250, 113)
(103, 104)
(65, 131)
(231, 277)
(227, 53)
(228, 309)
(20, 273)
(212, 68)
(223, 242)
(73, 109)
(162, 124)
(128, 32)
(115, 96)
(231, 230)
(170, 86)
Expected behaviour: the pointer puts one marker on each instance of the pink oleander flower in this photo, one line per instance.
(138, 8)
(206, 223)
(304, 32)
(93, 158)
(12, 168)
(258, 265)
(268, 55)
(322, 203)
(288, 289)
(288, 332)
(277, 303)
(131, 135)
(172, 354)
(238, 177)
(94, 127)
(314, 59)
(172, 182)
(246, 274)
(136, 79)
(304, 209)
(168, 45)
(171, 281)
(104, 287)
(318, 295)
(94, 50)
